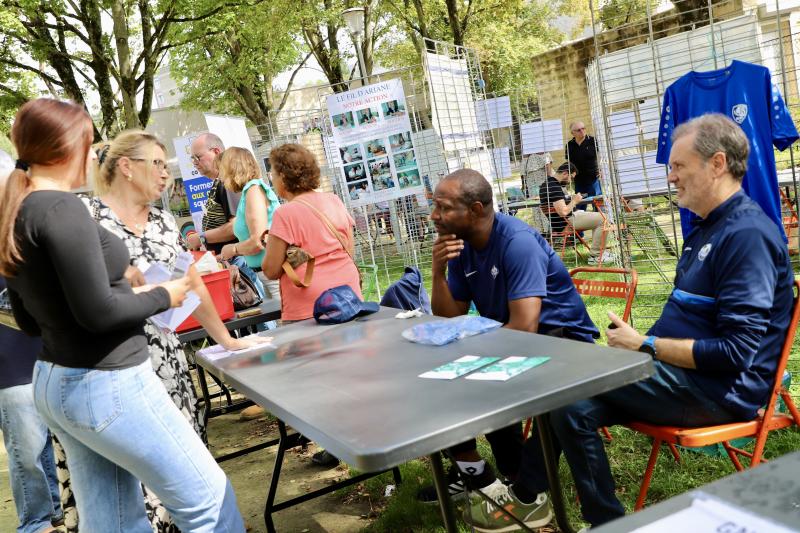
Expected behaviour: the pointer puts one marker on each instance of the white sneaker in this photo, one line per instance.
(607, 257)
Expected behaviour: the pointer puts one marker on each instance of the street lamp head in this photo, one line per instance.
(354, 18)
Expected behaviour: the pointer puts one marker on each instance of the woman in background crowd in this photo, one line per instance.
(305, 221)
(240, 173)
(93, 383)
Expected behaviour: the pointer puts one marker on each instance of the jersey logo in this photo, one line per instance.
(494, 272)
(704, 251)
(468, 274)
(739, 112)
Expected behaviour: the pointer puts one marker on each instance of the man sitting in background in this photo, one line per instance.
(561, 208)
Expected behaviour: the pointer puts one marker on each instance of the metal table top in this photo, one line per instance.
(771, 490)
(354, 388)
(270, 310)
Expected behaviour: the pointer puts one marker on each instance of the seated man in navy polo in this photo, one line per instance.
(511, 275)
(717, 342)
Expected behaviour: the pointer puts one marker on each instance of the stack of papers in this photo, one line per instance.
(156, 273)
(488, 368)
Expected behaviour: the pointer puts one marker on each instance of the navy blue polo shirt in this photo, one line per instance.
(733, 295)
(18, 354)
(518, 263)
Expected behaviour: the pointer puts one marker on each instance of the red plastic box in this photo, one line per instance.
(219, 286)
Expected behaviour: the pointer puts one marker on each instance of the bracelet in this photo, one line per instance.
(235, 251)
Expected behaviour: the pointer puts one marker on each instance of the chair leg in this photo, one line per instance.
(732, 453)
(648, 475)
(674, 452)
(527, 431)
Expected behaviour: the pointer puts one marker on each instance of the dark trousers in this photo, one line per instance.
(666, 398)
(506, 446)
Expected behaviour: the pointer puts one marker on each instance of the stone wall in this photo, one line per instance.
(561, 73)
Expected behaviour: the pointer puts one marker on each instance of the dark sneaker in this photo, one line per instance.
(323, 458)
(454, 486)
(485, 517)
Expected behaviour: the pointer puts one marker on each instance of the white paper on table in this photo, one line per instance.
(216, 352)
(175, 316)
(710, 515)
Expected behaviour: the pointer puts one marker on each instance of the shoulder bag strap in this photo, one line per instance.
(329, 225)
(334, 231)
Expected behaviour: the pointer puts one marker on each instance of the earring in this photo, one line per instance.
(130, 177)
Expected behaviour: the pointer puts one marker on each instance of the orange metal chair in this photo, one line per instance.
(565, 235)
(790, 221)
(767, 420)
(607, 289)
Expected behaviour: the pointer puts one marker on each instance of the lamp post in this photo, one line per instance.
(354, 18)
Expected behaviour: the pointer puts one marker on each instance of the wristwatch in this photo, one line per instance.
(649, 346)
(202, 236)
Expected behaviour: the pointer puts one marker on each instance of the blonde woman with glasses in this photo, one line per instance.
(133, 174)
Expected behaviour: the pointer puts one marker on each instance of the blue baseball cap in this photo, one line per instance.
(341, 304)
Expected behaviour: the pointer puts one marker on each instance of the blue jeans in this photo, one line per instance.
(31, 465)
(588, 189)
(119, 427)
(666, 398)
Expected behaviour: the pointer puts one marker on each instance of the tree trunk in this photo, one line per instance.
(99, 65)
(127, 78)
(455, 24)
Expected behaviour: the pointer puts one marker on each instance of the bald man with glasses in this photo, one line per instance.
(220, 209)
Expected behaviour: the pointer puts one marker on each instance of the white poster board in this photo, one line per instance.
(452, 102)
(502, 162)
(493, 113)
(649, 117)
(624, 131)
(541, 136)
(372, 134)
(232, 130)
(195, 185)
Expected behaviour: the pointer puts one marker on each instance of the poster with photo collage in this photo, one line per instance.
(372, 130)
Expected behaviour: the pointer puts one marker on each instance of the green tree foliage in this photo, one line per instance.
(615, 13)
(505, 34)
(104, 51)
(230, 60)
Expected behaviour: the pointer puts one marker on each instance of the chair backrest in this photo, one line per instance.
(408, 292)
(607, 288)
(784, 359)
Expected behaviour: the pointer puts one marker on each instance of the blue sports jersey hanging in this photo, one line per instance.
(745, 93)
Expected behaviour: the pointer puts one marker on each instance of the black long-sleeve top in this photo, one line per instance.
(71, 287)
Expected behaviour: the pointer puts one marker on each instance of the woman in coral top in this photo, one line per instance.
(301, 222)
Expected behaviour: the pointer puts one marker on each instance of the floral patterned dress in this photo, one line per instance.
(160, 242)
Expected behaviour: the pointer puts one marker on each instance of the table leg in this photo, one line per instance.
(201, 377)
(445, 504)
(551, 465)
(396, 475)
(276, 474)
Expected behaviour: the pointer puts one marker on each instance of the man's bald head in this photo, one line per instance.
(473, 187)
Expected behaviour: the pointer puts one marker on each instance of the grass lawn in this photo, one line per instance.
(628, 451)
